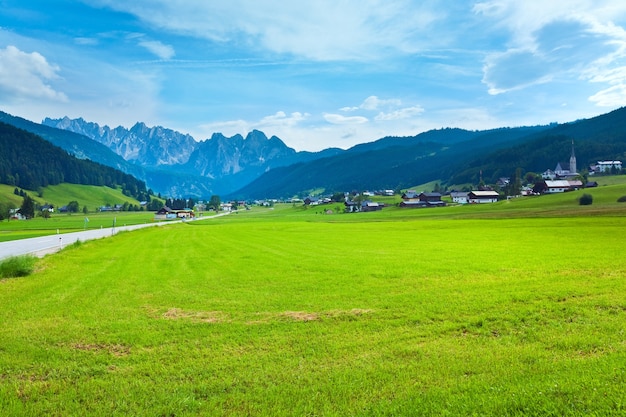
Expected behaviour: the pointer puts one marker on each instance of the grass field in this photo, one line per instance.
(507, 309)
(60, 195)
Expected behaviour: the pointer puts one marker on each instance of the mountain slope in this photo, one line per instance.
(389, 163)
(220, 164)
(598, 138)
(30, 162)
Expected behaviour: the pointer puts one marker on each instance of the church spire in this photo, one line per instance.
(572, 161)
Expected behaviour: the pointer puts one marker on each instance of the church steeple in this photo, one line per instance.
(572, 161)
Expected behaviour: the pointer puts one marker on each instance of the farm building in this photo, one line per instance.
(481, 197)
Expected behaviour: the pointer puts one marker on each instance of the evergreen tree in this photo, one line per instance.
(28, 207)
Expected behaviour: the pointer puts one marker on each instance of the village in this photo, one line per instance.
(559, 180)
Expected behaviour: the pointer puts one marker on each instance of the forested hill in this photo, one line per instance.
(599, 138)
(30, 162)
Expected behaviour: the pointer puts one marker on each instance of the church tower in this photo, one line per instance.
(572, 161)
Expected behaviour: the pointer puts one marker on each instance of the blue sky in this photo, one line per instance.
(317, 74)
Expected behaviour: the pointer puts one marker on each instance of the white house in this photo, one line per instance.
(480, 197)
(459, 197)
(604, 166)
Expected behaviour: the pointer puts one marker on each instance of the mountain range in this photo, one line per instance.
(256, 166)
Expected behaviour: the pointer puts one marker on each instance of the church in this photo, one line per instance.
(560, 172)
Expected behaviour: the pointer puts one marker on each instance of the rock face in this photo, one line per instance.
(142, 145)
(229, 162)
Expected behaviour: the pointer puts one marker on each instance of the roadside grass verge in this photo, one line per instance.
(300, 314)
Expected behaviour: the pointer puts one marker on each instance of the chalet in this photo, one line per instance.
(459, 197)
(371, 206)
(415, 200)
(432, 199)
(367, 205)
(556, 186)
(185, 214)
(548, 175)
(481, 197)
(410, 195)
(575, 184)
(165, 213)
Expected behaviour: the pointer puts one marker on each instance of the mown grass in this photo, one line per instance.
(289, 312)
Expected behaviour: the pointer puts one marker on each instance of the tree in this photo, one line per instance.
(215, 202)
(73, 207)
(85, 210)
(585, 200)
(5, 210)
(28, 207)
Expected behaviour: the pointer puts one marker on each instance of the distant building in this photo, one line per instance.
(560, 172)
(482, 197)
(607, 166)
(459, 197)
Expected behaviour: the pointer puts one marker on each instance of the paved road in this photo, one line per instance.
(40, 246)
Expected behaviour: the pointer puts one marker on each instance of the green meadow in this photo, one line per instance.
(92, 197)
(516, 308)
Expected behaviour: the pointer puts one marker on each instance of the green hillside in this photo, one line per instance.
(30, 162)
(59, 195)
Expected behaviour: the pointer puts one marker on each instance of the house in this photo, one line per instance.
(459, 197)
(608, 166)
(575, 184)
(185, 214)
(410, 195)
(371, 206)
(548, 175)
(503, 182)
(165, 213)
(556, 186)
(481, 197)
(432, 199)
(367, 205)
(415, 200)
(591, 184)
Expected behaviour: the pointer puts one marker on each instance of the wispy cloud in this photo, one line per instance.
(27, 75)
(321, 30)
(553, 41)
(159, 49)
(338, 119)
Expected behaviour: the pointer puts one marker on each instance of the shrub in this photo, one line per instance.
(585, 200)
(17, 266)
(622, 199)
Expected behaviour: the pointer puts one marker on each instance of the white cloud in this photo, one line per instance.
(405, 113)
(551, 41)
(319, 30)
(159, 49)
(338, 119)
(281, 119)
(27, 76)
(374, 103)
(614, 96)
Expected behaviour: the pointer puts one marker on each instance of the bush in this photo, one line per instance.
(585, 200)
(17, 266)
(622, 199)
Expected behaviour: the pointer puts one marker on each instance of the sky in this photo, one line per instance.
(317, 73)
